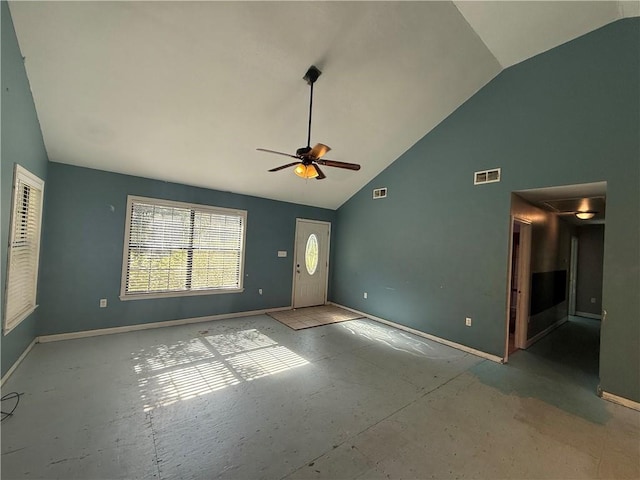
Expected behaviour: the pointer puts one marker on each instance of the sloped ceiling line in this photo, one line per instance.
(185, 91)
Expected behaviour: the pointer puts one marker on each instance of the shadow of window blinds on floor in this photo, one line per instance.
(187, 369)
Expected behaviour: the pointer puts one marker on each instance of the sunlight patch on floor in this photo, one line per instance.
(396, 339)
(188, 369)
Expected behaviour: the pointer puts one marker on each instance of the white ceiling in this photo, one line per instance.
(186, 91)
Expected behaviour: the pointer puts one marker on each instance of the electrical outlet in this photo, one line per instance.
(593, 299)
(467, 321)
(365, 294)
(103, 303)
(260, 291)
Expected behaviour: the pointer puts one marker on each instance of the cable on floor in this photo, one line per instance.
(10, 396)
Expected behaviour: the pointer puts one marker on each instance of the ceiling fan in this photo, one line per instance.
(308, 159)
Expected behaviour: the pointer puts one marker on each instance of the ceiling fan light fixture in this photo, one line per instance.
(306, 171)
(585, 215)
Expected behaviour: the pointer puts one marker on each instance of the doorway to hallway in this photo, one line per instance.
(565, 276)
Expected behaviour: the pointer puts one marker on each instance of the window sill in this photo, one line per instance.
(18, 321)
(193, 293)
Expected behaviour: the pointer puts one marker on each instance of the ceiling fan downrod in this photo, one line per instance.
(311, 76)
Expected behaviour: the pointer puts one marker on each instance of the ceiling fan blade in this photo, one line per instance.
(277, 153)
(321, 174)
(335, 163)
(319, 150)
(282, 167)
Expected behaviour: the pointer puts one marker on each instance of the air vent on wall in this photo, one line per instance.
(486, 176)
(379, 193)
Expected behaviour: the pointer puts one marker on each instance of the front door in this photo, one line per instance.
(311, 263)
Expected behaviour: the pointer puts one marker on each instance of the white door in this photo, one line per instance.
(520, 267)
(311, 265)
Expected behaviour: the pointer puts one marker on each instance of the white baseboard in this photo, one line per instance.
(546, 331)
(145, 326)
(588, 315)
(625, 402)
(458, 346)
(18, 361)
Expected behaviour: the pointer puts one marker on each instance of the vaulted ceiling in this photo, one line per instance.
(186, 91)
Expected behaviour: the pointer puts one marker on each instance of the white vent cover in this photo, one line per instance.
(486, 176)
(379, 192)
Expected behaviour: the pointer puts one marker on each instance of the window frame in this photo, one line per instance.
(21, 174)
(131, 199)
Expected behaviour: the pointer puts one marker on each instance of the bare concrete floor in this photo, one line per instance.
(250, 398)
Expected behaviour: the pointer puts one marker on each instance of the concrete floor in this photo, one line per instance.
(250, 398)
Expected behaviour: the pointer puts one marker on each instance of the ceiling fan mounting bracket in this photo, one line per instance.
(312, 75)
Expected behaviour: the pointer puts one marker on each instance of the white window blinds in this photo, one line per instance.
(24, 247)
(174, 248)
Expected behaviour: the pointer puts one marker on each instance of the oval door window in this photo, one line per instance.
(311, 254)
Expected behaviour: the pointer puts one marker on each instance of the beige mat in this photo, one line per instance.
(308, 317)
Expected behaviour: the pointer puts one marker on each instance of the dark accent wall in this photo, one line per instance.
(83, 243)
(548, 289)
(22, 143)
(436, 249)
(589, 274)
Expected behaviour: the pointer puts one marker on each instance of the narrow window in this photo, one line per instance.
(24, 247)
(311, 254)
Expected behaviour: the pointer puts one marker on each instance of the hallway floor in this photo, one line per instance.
(250, 398)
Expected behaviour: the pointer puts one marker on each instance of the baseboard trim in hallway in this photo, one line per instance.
(449, 343)
(625, 402)
(546, 331)
(145, 326)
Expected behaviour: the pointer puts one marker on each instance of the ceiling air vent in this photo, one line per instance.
(379, 192)
(486, 176)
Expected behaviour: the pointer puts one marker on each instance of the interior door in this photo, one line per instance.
(524, 284)
(311, 263)
(519, 286)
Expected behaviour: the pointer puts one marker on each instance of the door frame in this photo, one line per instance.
(295, 257)
(524, 284)
(573, 275)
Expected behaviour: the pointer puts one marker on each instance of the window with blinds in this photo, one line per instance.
(24, 247)
(174, 248)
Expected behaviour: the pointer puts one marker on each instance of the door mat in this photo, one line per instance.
(309, 317)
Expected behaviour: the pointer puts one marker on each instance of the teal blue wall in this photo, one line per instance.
(436, 250)
(21, 143)
(83, 241)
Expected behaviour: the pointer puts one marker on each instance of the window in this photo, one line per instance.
(174, 248)
(311, 254)
(24, 247)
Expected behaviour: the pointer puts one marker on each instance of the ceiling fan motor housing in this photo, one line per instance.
(302, 151)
